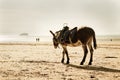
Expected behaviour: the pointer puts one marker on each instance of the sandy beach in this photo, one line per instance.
(40, 61)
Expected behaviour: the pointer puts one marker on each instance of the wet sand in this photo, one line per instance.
(40, 61)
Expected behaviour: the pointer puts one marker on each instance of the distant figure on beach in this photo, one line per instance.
(37, 39)
(110, 39)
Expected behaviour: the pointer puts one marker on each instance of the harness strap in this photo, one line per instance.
(70, 40)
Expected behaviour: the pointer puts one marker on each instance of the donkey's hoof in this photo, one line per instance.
(81, 63)
(62, 61)
(67, 62)
(90, 63)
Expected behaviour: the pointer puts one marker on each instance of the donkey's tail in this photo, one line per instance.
(94, 41)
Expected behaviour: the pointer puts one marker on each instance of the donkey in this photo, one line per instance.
(84, 36)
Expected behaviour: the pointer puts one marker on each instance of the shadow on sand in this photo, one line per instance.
(85, 67)
(95, 68)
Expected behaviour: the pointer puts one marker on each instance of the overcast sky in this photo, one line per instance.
(37, 17)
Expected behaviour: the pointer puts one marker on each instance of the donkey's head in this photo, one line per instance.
(55, 39)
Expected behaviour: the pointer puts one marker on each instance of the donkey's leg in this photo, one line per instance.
(85, 54)
(66, 52)
(63, 54)
(67, 57)
(91, 53)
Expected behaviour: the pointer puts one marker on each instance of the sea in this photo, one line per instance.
(19, 38)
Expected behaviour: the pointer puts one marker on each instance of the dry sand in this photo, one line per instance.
(40, 61)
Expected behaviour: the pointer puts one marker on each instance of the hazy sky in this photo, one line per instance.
(37, 17)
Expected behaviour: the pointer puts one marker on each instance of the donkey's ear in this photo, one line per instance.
(52, 33)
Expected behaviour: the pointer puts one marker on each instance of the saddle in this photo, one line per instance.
(69, 36)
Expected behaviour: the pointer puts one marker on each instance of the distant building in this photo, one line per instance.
(24, 34)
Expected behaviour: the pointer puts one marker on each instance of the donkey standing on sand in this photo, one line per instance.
(83, 36)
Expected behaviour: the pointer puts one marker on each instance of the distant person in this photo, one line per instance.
(110, 39)
(37, 39)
